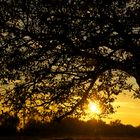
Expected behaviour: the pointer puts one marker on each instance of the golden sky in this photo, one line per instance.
(129, 110)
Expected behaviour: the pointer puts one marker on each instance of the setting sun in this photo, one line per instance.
(94, 108)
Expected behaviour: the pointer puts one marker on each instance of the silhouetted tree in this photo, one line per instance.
(55, 55)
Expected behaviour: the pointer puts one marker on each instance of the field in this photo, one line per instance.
(68, 138)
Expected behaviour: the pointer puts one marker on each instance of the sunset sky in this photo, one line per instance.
(129, 110)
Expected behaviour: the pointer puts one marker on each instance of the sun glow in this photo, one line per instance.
(94, 108)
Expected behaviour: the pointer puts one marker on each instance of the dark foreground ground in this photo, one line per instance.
(69, 138)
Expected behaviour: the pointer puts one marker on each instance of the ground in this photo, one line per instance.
(68, 138)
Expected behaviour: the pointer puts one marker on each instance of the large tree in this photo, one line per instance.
(55, 55)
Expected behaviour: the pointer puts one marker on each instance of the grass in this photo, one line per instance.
(69, 138)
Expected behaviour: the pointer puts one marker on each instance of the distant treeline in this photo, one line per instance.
(75, 127)
(68, 127)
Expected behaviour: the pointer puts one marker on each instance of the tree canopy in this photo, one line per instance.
(57, 54)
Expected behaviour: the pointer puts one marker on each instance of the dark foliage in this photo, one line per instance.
(55, 55)
(75, 128)
(8, 124)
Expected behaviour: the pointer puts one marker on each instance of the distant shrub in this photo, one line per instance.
(34, 127)
(8, 124)
(71, 127)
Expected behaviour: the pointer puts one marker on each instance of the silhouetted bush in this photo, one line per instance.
(73, 127)
(34, 127)
(8, 124)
